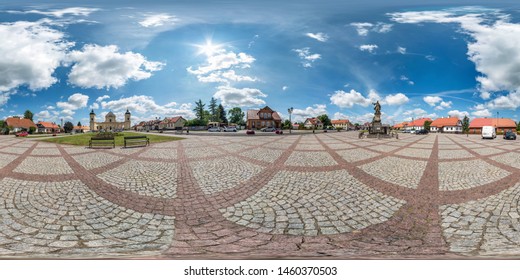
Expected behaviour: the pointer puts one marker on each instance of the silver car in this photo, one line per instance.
(214, 129)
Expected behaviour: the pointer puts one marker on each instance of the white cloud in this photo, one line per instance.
(368, 48)
(458, 114)
(156, 20)
(432, 100)
(94, 106)
(220, 65)
(240, 97)
(363, 28)
(493, 48)
(344, 99)
(299, 115)
(284, 88)
(59, 13)
(322, 37)
(417, 112)
(396, 99)
(31, 52)
(443, 105)
(481, 113)
(307, 57)
(4, 97)
(101, 98)
(74, 102)
(404, 78)
(340, 116)
(401, 50)
(104, 67)
(145, 106)
(43, 116)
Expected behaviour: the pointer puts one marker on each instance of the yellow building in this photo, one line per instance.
(110, 123)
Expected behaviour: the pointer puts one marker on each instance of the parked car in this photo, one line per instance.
(22, 134)
(510, 135)
(489, 132)
(230, 129)
(250, 132)
(422, 131)
(268, 129)
(413, 131)
(278, 131)
(214, 129)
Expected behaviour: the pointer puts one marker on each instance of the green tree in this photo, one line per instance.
(518, 126)
(199, 110)
(236, 116)
(32, 129)
(79, 124)
(221, 113)
(213, 110)
(68, 127)
(465, 124)
(325, 120)
(286, 124)
(28, 115)
(427, 125)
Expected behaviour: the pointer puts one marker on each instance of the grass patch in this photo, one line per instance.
(83, 138)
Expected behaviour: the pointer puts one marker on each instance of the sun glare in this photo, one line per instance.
(209, 48)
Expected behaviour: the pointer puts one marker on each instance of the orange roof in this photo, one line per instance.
(442, 122)
(48, 125)
(400, 125)
(419, 122)
(17, 122)
(313, 121)
(340, 121)
(480, 122)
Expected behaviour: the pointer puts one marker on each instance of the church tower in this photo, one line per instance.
(127, 120)
(92, 120)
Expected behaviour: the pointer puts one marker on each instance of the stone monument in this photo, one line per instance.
(377, 129)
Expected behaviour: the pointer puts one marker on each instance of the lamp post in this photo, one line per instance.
(497, 121)
(290, 110)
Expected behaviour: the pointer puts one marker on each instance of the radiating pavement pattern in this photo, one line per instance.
(285, 196)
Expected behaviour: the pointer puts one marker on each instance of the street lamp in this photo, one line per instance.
(290, 110)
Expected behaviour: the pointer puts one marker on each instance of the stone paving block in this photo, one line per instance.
(403, 172)
(468, 174)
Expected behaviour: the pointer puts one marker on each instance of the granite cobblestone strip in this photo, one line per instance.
(66, 219)
(131, 200)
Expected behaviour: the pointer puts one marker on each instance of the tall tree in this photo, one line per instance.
(28, 115)
(236, 116)
(68, 127)
(221, 114)
(79, 124)
(286, 124)
(518, 126)
(427, 125)
(465, 124)
(325, 120)
(199, 109)
(213, 110)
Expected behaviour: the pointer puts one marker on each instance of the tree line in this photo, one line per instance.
(215, 113)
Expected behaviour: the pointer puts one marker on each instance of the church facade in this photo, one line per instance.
(110, 123)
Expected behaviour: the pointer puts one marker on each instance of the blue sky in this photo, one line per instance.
(64, 58)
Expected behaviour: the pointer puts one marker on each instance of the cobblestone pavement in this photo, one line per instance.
(285, 196)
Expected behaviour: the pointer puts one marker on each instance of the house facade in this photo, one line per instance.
(500, 124)
(343, 124)
(446, 125)
(19, 124)
(313, 123)
(47, 127)
(110, 122)
(172, 123)
(400, 126)
(265, 117)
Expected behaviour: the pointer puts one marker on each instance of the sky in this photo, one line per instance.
(62, 59)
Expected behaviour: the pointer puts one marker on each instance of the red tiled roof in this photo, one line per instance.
(480, 122)
(49, 125)
(419, 122)
(17, 122)
(442, 122)
(340, 121)
(172, 120)
(400, 125)
(313, 121)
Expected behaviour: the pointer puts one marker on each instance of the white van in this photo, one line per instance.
(489, 132)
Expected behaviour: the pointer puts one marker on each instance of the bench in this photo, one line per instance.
(136, 140)
(102, 142)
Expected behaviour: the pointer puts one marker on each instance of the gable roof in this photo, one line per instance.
(18, 122)
(480, 122)
(172, 120)
(442, 122)
(253, 114)
(313, 121)
(48, 125)
(419, 122)
(340, 121)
